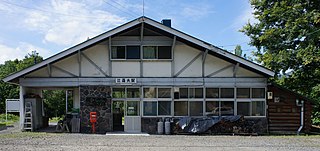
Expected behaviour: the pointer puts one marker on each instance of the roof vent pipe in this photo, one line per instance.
(166, 22)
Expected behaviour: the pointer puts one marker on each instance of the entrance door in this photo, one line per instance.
(132, 119)
(118, 108)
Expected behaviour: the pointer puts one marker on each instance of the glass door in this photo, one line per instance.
(132, 119)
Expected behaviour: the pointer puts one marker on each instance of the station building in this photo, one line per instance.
(145, 70)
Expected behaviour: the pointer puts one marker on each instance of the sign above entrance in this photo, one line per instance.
(126, 80)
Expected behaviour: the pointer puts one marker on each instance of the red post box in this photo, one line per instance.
(93, 120)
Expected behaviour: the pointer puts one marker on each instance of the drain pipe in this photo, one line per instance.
(301, 115)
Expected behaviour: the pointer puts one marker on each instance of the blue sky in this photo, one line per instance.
(51, 26)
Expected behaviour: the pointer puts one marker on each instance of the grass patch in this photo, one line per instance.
(11, 119)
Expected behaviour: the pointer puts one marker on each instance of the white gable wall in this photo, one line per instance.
(99, 54)
(183, 54)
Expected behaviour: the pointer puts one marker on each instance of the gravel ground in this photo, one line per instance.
(13, 140)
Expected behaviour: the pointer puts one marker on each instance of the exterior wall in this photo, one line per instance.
(43, 72)
(69, 64)
(157, 69)
(125, 69)
(99, 54)
(95, 99)
(183, 55)
(284, 116)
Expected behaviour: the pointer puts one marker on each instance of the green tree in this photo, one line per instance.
(238, 51)
(10, 91)
(287, 36)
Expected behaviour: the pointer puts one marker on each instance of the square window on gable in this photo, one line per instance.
(118, 52)
(164, 52)
(133, 52)
(149, 52)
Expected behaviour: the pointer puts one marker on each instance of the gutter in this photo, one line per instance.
(301, 115)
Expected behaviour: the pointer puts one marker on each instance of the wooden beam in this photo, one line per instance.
(222, 69)
(204, 56)
(110, 53)
(49, 70)
(187, 65)
(64, 71)
(235, 69)
(94, 64)
(172, 53)
(141, 51)
(79, 61)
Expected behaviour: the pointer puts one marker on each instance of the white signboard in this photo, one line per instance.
(12, 105)
(126, 80)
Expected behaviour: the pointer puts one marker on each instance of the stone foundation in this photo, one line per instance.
(150, 125)
(95, 99)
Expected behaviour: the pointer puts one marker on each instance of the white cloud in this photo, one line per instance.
(244, 17)
(70, 22)
(10, 53)
(196, 12)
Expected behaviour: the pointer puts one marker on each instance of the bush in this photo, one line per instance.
(11, 119)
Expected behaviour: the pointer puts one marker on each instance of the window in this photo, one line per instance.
(118, 93)
(258, 93)
(212, 108)
(181, 108)
(164, 52)
(227, 108)
(133, 93)
(243, 92)
(150, 108)
(212, 92)
(258, 108)
(227, 92)
(164, 92)
(196, 108)
(133, 108)
(133, 52)
(183, 93)
(243, 108)
(149, 52)
(164, 108)
(150, 92)
(195, 92)
(118, 52)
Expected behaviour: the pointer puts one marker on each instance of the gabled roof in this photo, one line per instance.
(128, 25)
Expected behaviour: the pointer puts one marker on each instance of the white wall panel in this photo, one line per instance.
(99, 54)
(125, 69)
(242, 72)
(183, 55)
(43, 72)
(69, 64)
(157, 69)
(214, 64)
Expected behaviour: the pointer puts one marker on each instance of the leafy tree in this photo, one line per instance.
(238, 51)
(9, 90)
(287, 37)
(55, 102)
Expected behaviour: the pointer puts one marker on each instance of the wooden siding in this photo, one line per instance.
(284, 116)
